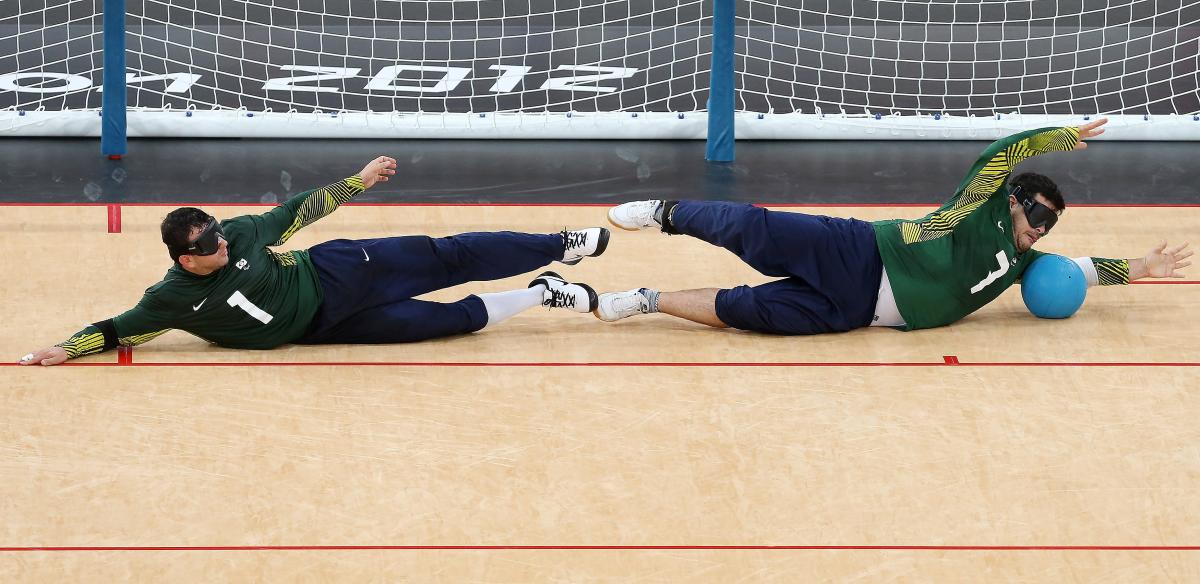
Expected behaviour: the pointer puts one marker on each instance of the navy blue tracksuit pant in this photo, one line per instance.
(830, 267)
(369, 284)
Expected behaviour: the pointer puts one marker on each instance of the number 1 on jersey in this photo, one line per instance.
(239, 300)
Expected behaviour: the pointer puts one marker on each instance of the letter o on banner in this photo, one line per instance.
(73, 82)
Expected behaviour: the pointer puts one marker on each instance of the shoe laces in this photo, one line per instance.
(644, 210)
(558, 299)
(635, 301)
(574, 239)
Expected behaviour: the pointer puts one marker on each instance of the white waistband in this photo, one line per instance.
(886, 312)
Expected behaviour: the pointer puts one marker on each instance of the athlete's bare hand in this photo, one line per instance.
(1091, 130)
(378, 170)
(1162, 262)
(48, 356)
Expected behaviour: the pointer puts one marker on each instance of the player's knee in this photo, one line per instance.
(739, 308)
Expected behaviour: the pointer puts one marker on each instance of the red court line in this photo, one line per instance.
(795, 364)
(1002, 548)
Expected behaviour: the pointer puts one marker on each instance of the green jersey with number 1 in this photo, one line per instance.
(259, 300)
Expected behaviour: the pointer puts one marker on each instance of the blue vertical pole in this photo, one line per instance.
(720, 91)
(112, 123)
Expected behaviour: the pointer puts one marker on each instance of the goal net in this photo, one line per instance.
(904, 69)
(603, 68)
(50, 51)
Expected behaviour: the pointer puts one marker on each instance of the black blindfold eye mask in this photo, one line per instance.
(1036, 213)
(209, 241)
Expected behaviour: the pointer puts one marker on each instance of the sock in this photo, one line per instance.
(665, 213)
(502, 306)
(651, 297)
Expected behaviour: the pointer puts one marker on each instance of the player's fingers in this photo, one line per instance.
(1182, 265)
(1081, 145)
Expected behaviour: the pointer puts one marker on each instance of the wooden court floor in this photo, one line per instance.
(559, 448)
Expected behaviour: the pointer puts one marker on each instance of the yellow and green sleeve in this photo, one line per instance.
(1110, 272)
(85, 342)
(986, 179)
(1104, 271)
(306, 208)
(100, 337)
(995, 164)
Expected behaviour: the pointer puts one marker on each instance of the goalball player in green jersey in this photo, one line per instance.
(841, 274)
(227, 286)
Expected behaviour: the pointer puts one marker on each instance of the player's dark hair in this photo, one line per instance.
(1033, 183)
(177, 227)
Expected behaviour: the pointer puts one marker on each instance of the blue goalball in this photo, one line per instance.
(1053, 287)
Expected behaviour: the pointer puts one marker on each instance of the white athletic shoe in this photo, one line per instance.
(636, 215)
(560, 293)
(584, 243)
(614, 306)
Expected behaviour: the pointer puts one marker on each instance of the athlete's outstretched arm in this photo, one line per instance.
(280, 223)
(989, 173)
(992, 168)
(140, 324)
(1160, 262)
